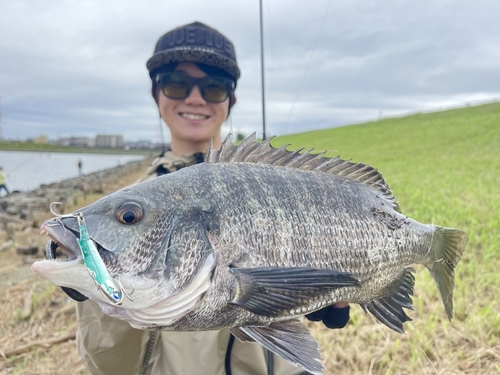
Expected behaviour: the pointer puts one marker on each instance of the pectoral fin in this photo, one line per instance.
(269, 291)
(290, 340)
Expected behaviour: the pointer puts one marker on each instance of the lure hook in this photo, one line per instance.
(58, 217)
(127, 294)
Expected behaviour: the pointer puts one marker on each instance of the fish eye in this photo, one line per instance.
(129, 213)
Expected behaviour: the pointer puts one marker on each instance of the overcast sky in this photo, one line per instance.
(78, 67)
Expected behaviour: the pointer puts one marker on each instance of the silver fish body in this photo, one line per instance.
(254, 239)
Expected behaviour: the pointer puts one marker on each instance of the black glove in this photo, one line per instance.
(332, 317)
(74, 294)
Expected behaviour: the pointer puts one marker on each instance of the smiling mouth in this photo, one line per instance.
(193, 116)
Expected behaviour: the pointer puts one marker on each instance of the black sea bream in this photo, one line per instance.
(252, 240)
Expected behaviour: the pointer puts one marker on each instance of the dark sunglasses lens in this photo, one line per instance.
(214, 89)
(175, 86)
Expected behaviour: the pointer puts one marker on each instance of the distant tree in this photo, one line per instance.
(240, 137)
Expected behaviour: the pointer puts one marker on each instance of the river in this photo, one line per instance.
(28, 170)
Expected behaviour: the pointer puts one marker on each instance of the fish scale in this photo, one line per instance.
(319, 227)
(255, 238)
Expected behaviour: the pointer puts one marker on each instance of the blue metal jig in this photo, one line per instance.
(111, 287)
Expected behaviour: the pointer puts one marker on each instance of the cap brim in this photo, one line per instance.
(195, 56)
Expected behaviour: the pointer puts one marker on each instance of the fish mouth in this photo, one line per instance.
(66, 240)
(62, 238)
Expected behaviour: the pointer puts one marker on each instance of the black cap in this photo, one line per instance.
(197, 43)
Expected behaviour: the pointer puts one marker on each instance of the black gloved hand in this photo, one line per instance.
(74, 294)
(332, 317)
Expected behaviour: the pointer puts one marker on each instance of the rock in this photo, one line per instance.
(29, 206)
(6, 245)
(26, 249)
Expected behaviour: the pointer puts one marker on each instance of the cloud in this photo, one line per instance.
(78, 68)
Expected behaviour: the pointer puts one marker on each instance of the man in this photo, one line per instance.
(3, 179)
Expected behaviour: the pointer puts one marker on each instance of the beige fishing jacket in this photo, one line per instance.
(110, 346)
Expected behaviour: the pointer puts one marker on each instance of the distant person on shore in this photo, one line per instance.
(3, 179)
(193, 73)
(80, 165)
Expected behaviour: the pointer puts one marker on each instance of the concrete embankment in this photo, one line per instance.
(28, 208)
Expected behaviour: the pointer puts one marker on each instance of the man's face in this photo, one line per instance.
(192, 120)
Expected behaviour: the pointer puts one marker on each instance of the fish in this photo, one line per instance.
(252, 240)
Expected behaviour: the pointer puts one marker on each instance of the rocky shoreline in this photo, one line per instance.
(28, 208)
(38, 323)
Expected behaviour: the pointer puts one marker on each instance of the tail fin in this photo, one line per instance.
(449, 247)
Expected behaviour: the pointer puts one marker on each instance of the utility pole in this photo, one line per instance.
(262, 73)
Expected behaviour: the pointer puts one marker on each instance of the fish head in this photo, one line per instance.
(134, 233)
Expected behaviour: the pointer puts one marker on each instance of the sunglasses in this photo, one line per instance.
(179, 86)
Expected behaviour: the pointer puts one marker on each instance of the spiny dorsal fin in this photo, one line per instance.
(253, 151)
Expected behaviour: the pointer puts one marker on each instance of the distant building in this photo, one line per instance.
(161, 146)
(143, 144)
(75, 142)
(43, 139)
(109, 141)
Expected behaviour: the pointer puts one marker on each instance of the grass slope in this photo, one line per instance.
(444, 168)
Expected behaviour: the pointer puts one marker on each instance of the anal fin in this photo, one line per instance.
(291, 340)
(389, 309)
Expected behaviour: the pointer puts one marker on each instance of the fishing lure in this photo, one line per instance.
(111, 287)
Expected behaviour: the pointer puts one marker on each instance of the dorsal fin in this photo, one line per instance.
(253, 151)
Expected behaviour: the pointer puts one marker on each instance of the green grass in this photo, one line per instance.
(444, 168)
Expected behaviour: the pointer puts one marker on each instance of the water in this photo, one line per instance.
(28, 170)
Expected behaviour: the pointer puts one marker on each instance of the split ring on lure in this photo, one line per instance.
(111, 287)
